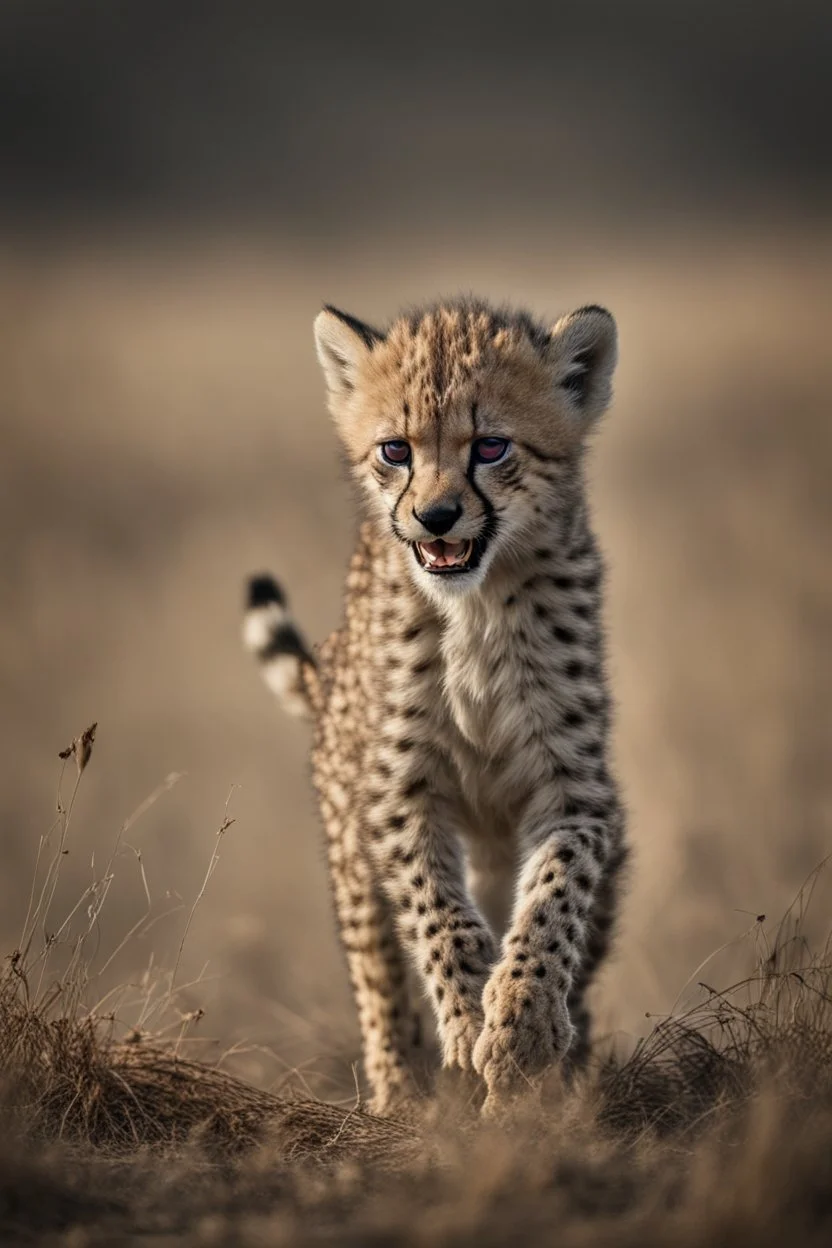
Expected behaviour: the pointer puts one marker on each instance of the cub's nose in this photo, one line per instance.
(439, 520)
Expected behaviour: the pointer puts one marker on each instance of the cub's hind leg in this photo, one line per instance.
(391, 1026)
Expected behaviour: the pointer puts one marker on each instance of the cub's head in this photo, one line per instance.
(465, 427)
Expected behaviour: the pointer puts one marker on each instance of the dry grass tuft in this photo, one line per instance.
(64, 1081)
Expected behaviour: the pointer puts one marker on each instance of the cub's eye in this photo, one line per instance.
(395, 452)
(490, 450)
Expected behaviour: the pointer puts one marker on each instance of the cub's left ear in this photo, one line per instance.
(584, 349)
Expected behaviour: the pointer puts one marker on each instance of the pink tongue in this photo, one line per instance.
(447, 553)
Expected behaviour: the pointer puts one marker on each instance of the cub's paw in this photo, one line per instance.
(459, 1031)
(527, 1027)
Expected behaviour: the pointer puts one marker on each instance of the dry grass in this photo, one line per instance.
(718, 1125)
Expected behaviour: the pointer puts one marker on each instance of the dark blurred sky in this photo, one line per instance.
(365, 114)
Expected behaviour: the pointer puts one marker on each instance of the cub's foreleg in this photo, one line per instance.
(545, 953)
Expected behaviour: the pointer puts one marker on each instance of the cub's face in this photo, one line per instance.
(465, 427)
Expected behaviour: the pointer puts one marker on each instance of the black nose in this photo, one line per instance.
(439, 520)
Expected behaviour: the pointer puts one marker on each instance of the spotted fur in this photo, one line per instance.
(462, 720)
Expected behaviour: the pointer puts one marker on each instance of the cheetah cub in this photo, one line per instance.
(461, 711)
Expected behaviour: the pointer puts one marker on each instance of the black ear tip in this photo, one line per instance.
(595, 309)
(262, 591)
(366, 333)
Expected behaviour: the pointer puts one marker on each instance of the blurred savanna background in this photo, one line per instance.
(183, 185)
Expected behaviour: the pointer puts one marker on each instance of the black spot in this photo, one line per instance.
(563, 582)
(458, 942)
(599, 809)
(405, 745)
(396, 822)
(421, 909)
(406, 902)
(448, 970)
(543, 553)
(565, 854)
(583, 883)
(573, 719)
(540, 971)
(541, 611)
(466, 968)
(440, 992)
(564, 635)
(540, 918)
(431, 930)
(418, 668)
(548, 877)
(571, 933)
(414, 788)
(457, 1012)
(412, 633)
(516, 973)
(553, 946)
(574, 669)
(418, 881)
(582, 609)
(510, 601)
(520, 957)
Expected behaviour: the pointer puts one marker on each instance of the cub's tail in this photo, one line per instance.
(288, 667)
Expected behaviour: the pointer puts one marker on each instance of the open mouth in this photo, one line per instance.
(446, 558)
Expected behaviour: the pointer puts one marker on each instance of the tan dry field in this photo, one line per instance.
(164, 434)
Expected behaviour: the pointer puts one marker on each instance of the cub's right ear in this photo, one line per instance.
(342, 343)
